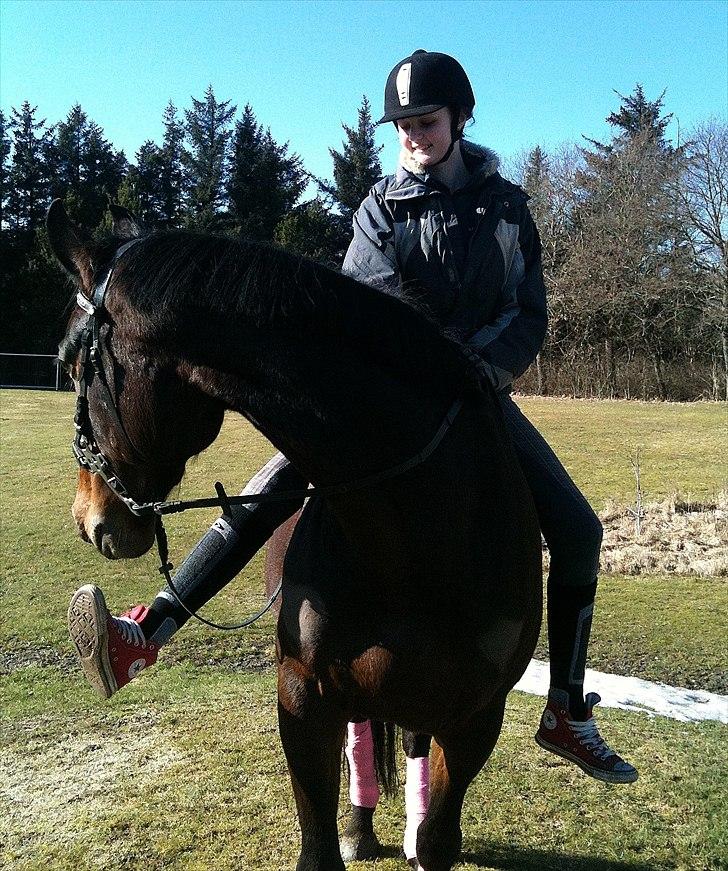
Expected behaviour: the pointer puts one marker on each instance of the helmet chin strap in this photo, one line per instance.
(456, 133)
(446, 155)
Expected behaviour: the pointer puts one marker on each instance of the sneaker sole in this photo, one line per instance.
(596, 773)
(87, 616)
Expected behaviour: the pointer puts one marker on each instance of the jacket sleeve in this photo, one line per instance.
(509, 344)
(371, 257)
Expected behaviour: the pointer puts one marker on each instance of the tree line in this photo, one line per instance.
(634, 233)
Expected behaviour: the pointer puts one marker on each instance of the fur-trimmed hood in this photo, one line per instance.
(481, 161)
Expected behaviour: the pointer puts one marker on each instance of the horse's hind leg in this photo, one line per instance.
(416, 788)
(457, 758)
(312, 737)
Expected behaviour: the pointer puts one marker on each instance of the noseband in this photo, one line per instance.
(89, 456)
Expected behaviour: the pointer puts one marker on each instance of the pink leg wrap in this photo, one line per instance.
(363, 787)
(417, 800)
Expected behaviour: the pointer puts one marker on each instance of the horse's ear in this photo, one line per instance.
(124, 224)
(72, 254)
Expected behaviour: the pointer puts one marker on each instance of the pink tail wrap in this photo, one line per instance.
(417, 800)
(363, 787)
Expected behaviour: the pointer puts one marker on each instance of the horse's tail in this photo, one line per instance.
(385, 737)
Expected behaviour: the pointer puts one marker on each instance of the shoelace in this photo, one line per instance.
(130, 631)
(588, 734)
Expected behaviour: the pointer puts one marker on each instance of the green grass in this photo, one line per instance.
(682, 445)
(184, 768)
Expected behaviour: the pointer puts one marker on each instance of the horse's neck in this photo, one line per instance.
(334, 413)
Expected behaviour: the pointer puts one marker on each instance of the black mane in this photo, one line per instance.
(264, 285)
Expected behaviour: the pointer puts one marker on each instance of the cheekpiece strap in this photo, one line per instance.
(97, 297)
(85, 303)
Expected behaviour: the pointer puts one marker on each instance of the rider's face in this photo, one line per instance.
(426, 137)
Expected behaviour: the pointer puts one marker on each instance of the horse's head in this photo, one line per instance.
(143, 415)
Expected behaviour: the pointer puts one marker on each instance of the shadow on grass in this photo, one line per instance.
(511, 858)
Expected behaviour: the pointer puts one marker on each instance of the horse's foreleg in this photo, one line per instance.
(312, 738)
(416, 789)
(457, 758)
(358, 839)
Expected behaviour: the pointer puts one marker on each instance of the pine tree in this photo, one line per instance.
(143, 192)
(537, 184)
(87, 169)
(5, 149)
(356, 167)
(626, 267)
(264, 180)
(173, 183)
(207, 129)
(638, 115)
(28, 179)
(309, 230)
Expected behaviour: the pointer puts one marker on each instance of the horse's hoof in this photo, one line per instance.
(360, 848)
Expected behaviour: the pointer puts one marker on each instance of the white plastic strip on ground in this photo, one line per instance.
(635, 694)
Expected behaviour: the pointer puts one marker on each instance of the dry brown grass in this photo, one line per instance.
(677, 536)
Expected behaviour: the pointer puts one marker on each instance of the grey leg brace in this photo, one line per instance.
(225, 549)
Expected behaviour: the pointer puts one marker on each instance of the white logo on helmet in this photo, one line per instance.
(403, 84)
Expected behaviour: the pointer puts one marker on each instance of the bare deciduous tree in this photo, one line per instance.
(703, 191)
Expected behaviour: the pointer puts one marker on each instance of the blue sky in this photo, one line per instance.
(543, 72)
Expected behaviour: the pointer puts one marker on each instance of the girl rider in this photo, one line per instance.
(460, 237)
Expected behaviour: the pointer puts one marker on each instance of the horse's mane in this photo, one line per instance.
(264, 285)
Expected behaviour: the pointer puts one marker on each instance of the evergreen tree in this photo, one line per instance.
(537, 184)
(637, 115)
(5, 149)
(34, 302)
(28, 177)
(309, 230)
(173, 183)
(143, 189)
(128, 195)
(356, 167)
(627, 271)
(87, 169)
(264, 180)
(207, 129)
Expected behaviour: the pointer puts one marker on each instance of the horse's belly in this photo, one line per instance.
(415, 672)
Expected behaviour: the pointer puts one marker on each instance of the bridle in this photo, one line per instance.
(89, 456)
(90, 365)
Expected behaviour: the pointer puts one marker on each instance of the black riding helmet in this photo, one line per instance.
(425, 82)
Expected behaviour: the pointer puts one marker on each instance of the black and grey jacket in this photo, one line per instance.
(483, 281)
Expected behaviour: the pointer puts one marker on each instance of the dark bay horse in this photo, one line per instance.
(416, 601)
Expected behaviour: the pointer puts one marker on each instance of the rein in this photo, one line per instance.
(89, 456)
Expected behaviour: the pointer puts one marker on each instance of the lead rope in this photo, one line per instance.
(166, 567)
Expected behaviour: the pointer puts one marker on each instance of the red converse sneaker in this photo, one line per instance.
(580, 741)
(112, 649)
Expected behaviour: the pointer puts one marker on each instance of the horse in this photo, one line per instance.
(358, 840)
(411, 597)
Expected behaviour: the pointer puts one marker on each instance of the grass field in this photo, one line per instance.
(184, 768)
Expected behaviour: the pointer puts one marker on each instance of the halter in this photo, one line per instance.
(89, 456)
